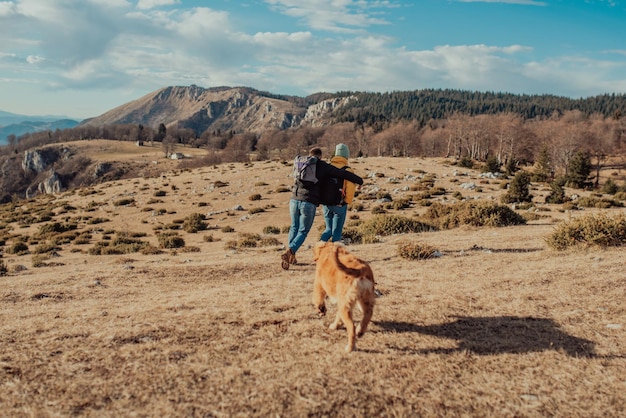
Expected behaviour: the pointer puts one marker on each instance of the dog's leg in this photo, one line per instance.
(367, 306)
(345, 310)
(337, 323)
(318, 298)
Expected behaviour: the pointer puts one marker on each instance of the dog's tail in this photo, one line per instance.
(348, 270)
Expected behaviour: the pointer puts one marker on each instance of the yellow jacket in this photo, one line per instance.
(348, 187)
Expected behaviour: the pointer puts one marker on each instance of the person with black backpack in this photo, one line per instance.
(308, 172)
(339, 194)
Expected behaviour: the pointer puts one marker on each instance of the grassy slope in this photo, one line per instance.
(500, 325)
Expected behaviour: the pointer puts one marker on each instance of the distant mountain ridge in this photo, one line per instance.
(244, 109)
(24, 127)
(220, 109)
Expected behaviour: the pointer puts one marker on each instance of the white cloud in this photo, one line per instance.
(151, 4)
(332, 15)
(7, 8)
(34, 59)
(522, 2)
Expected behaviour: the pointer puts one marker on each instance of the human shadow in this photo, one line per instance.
(498, 335)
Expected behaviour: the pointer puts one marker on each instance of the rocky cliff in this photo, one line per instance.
(239, 109)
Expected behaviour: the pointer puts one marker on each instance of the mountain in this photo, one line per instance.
(8, 118)
(244, 109)
(25, 127)
(220, 108)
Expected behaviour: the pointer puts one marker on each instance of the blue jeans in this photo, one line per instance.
(302, 217)
(334, 217)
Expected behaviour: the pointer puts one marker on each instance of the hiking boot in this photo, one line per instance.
(288, 257)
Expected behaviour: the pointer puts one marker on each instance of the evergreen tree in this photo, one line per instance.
(519, 189)
(557, 192)
(578, 170)
(543, 166)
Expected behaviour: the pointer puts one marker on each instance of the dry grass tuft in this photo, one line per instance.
(593, 230)
(474, 213)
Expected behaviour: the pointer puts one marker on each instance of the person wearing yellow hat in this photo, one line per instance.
(335, 215)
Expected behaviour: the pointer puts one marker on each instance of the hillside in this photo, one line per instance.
(499, 324)
(220, 109)
(244, 109)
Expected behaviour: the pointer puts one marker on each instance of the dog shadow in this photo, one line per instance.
(498, 335)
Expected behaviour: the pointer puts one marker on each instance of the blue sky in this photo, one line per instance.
(80, 58)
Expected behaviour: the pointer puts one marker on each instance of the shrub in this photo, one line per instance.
(18, 248)
(252, 211)
(557, 193)
(271, 230)
(591, 230)
(55, 228)
(124, 202)
(3, 268)
(466, 162)
(610, 187)
(254, 197)
(415, 251)
(210, 238)
(150, 250)
(194, 223)
(492, 165)
(171, 240)
(594, 202)
(378, 210)
(393, 224)
(45, 248)
(519, 189)
(474, 213)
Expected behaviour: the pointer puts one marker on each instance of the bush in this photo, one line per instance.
(519, 189)
(55, 228)
(124, 202)
(393, 224)
(466, 162)
(557, 193)
(171, 240)
(18, 248)
(271, 230)
(414, 251)
(474, 213)
(254, 197)
(610, 187)
(3, 268)
(122, 244)
(594, 202)
(592, 230)
(194, 223)
(492, 165)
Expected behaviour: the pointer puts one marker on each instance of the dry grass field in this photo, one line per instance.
(499, 324)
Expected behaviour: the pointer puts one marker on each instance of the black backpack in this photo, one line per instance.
(332, 192)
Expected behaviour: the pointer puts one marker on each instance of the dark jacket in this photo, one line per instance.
(311, 192)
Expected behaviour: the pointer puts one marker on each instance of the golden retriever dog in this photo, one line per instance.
(346, 279)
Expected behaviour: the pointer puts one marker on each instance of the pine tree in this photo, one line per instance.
(578, 170)
(543, 166)
(519, 189)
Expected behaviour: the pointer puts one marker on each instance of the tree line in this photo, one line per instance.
(507, 129)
